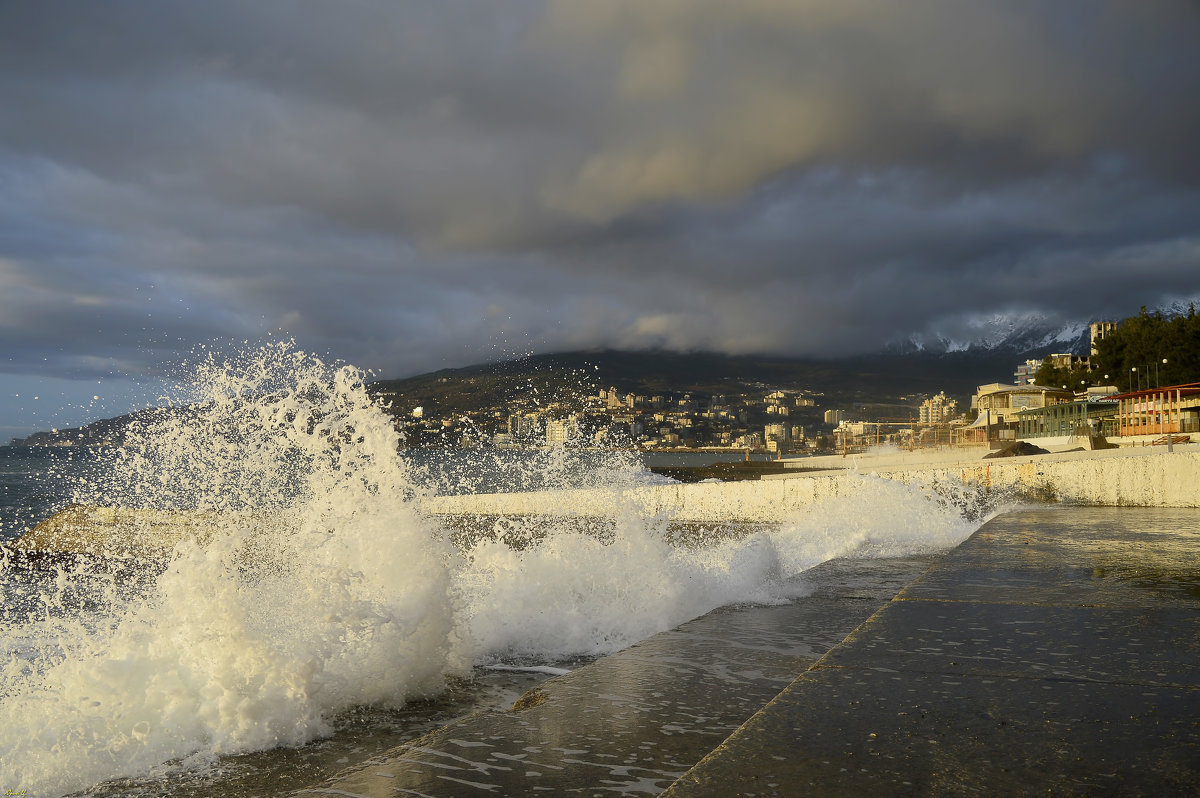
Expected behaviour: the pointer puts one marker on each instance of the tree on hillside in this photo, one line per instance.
(1151, 349)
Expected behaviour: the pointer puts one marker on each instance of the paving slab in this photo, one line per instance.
(633, 722)
(1055, 652)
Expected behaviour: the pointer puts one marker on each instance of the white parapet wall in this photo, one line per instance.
(1149, 477)
(1115, 477)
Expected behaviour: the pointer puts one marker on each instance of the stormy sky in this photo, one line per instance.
(413, 185)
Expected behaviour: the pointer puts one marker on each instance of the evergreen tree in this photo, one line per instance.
(1074, 378)
(1151, 350)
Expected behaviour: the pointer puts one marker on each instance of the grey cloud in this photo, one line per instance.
(476, 126)
(407, 185)
(978, 91)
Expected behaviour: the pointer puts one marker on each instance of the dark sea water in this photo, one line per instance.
(33, 484)
(324, 616)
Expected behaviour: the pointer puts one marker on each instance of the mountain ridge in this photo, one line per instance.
(899, 374)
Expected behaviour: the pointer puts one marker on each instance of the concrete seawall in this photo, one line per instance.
(1118, 477)
(1106, 478)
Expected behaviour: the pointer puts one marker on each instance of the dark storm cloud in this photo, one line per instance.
(409, 185)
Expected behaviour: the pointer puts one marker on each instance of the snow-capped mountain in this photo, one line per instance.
(1026, 334)
(1031, 335)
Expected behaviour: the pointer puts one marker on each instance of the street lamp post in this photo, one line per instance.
(1086, 398)
(1166, 409)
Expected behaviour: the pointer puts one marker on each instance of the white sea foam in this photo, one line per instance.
(880, 518)
(324, 587)
(574, 593)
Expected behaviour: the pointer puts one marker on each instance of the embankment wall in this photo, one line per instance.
(1141, 478)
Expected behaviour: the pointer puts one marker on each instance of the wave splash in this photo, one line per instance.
(321, 585)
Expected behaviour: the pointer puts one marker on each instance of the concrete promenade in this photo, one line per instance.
(1057, 651)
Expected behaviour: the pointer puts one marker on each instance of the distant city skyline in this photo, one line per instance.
(410, 186)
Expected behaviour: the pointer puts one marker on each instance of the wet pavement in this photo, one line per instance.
(633, 722)
(1055, 652)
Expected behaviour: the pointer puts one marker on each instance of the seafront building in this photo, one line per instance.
(1174, 409)
(997, 406)
(1087, 416)
(559, 431)
(1000, 402)
(1104, 411)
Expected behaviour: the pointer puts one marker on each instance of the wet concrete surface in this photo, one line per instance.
(1055, 652)
(633, 722)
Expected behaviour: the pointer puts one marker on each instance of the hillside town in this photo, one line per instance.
(1062, 396)
(788, 422)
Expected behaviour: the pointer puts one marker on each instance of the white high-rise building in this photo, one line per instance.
(776, 432)
(938, 409)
